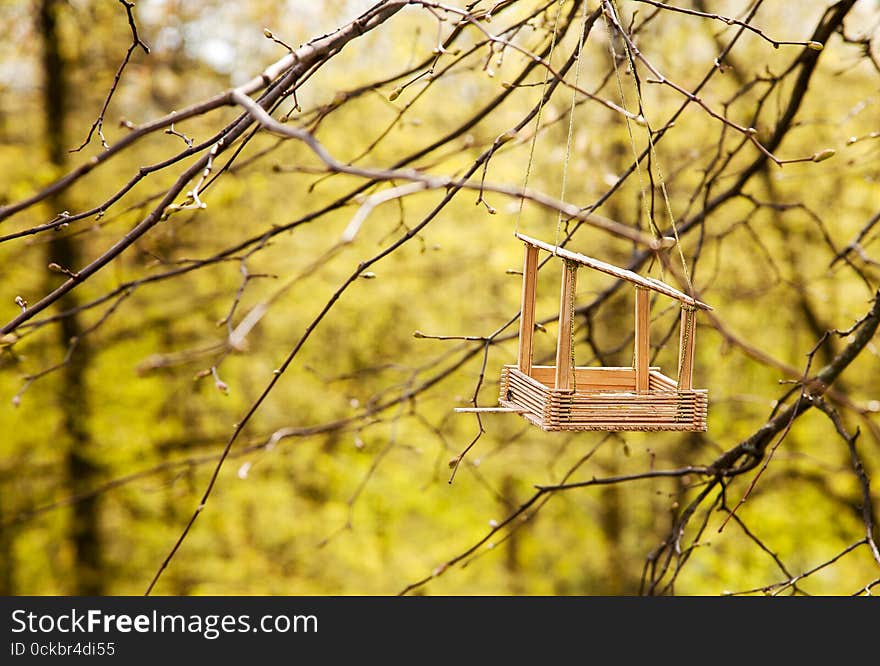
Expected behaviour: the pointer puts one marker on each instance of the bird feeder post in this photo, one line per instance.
(564, 369)
(642, 352)
(686, 348)
(527, 312)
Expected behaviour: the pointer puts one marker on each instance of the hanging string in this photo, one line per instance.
(684, 265)
(577, 78)
(540, 113)
(611, 10)
(668, 205)
(572, 268)
(655, 230)
(571, 265)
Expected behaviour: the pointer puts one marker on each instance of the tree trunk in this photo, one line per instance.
(512, 557)
(7, 562)
(72, 392)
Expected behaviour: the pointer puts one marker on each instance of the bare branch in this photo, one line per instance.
(136, 42)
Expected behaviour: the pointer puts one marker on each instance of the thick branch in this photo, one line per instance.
(295, 63)
(297, 60)
(754, 446)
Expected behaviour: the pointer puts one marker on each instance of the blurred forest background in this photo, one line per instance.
(226, 369)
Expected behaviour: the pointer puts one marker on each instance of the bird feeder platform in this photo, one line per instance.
(569, 397)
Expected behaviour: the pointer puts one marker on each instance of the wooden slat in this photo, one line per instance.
(517, 376)
(670, 417)
(640, 417)
(621, 273)
(523, 391)
(602, 378)
(686, 349)
(527, 314)
(599, 408)
(610, 369)
(552, 410)
(624, 427)
(668, 413)
(617, 426)
(624, 419)
(487, 410)
(623, 402)
(642, 338)
(538, 421)
(604, 397)
(605, 377)
(541, 372)
(625, 398)
(610, 377)
(563, 345)
(621, 423)
(523, 410)
(659, 381)
(528, 399)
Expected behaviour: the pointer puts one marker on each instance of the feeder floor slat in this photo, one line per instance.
(603, 406)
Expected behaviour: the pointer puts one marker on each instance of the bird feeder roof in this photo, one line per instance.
(621, 273)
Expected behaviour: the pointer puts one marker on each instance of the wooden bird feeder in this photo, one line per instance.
(569, 397)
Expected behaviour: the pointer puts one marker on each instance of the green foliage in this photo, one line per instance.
(364, 507)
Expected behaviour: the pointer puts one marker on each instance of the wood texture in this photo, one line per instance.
(686, 349)
(609, 408)
(585, 377)
(527, 313)
(488, 410)
(661, 381)
(622, 273)
(564, 377)
(566, 397)
(642, 352)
